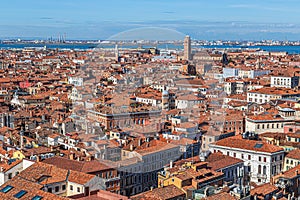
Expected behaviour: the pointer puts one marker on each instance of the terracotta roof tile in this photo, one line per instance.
(294, 154)
(239, 143)
(221, 196)
(219, 161)
(168, 192)
(264, 189)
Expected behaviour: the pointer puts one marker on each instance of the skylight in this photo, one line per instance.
(20, 194)
(6, 189)
(37, 197)
(258, 145)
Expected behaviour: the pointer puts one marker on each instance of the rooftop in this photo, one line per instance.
(252, 145)
(162, 193)
(219, 161)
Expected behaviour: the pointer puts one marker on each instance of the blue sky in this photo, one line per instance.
(202, 19)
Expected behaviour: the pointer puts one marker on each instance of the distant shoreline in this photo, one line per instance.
(291, 49)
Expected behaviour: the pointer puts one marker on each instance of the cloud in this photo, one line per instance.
(46, 18)
(242, 6)
(168, 12)
(252, 6)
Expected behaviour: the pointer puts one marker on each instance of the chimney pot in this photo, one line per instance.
(171, 164)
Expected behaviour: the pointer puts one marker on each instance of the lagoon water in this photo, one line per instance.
(289, 49)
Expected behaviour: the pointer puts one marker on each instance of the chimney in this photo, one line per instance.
(255, 197)
(171, 164)
(131, 147)
(21, 140)
(71, 156)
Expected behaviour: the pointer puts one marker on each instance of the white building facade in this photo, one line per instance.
(261, 160)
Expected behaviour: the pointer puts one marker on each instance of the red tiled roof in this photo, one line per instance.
(294, 154)
(221, 196)
(32, 189)
(81, 166)
(239, 143)
(264, 189)
(168, 192)
(219, 161)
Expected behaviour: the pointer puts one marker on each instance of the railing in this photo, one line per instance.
(263, 176)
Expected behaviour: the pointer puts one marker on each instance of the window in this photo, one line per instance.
(50, 190)
(71, 187)
(6, 189)
(259, 169)
(259, 180)
(20, 194)
(10, 176)
(242, 156)
(249, 157)
(264, 170)
(265, 159)
(259, 158)
(78, 189)
(56, 188)
(234, 154)
(64, 187)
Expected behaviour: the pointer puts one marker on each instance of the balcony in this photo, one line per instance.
(117, 178)
(262, 176)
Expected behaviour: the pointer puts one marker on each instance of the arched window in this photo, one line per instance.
(265, 170)
(259, 169)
